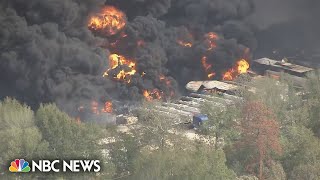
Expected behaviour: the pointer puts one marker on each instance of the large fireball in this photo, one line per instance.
(241, 67)
(116, 61)
(108, 21)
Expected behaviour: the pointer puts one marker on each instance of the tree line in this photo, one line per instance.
(272, 133)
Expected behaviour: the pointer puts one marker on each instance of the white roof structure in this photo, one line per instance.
(194, 86)
(283, 65)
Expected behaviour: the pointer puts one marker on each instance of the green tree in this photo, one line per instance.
(67, 139)
(71, 140)
(221, 121)
(153, 132)
(313, 99)
(272, 93)
(306, 171)
(275, 171)
(122, 154)
(19, 136)
(301, 147)
(202, 163)
(155, 127)
(282, 98)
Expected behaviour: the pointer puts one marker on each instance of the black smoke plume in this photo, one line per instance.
(48, 54)
(288, 28)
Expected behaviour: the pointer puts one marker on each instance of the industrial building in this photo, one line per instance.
(265, 64)
(222, 94)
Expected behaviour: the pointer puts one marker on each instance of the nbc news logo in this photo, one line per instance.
(20, 165)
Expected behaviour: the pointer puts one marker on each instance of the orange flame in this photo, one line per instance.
(80, 109)
(115, 61)
(154, 94)
(165, 79)
(229, 75)
(110, 20)
(205, 64)
(108, 107)
(207, 67)
(147, 95)
(162, 77)
(241, 68)
(123, 35)
(210, 39)
(94, 107)
(185, 44)
(168, 84)
(211, 75)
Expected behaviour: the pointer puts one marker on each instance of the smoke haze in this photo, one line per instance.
(288, 28)
(48, 54)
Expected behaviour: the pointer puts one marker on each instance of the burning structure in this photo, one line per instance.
(76, 52)
(223, 94)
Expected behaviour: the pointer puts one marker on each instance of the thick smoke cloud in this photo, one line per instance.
(205, 13)
(226, 18)
(44, 59)
(133, 8)
(288, 28)
(48, 54)
(156, 7)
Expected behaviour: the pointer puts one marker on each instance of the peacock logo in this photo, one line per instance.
(19, 165)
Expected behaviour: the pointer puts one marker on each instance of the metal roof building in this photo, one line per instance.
(274, 65)
(195, 86)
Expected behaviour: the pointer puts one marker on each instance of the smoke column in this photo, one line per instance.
(288, 28)
(49, 54)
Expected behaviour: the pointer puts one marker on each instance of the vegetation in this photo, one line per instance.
(198, 164)
(19, 136)
(273, 133)
(46, 134)
(259, 134)
(221, 120)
